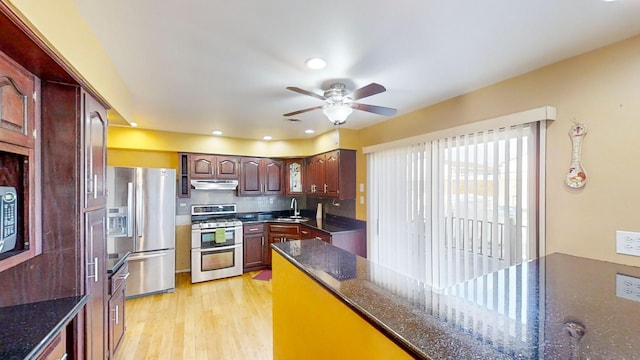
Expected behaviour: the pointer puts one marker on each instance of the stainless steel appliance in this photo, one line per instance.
(216, 242)
(141, 219)
(8, 218)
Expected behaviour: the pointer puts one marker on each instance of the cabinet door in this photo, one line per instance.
(95, 152)
(202, 166)
(95, 282)
(227, 167)
(319, 174)
(274, 177)
(309, 176)
(116, 320)
(17, 105)
(251, 182)
(332, 174)
(294, 170)
(254, 252)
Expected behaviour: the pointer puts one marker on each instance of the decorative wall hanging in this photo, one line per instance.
(577, 177)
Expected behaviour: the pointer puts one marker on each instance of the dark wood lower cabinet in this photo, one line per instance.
(116, 319)
(95, 273)
(255, 247)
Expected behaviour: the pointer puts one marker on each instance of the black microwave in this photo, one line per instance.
(8, 218)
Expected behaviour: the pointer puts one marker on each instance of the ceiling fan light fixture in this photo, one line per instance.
(337, 113)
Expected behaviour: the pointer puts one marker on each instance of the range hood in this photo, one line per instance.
(214, 184)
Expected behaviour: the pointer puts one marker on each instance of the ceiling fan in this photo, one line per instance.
(339, 102)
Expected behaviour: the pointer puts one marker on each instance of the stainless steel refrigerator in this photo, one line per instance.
(141, 219)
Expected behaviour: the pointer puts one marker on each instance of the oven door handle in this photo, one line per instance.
(221, 248)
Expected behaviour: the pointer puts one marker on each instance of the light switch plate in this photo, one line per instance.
(628, 243)
(628, 287)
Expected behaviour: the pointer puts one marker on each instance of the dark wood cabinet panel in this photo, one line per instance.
(261, 176)
(95, 152)
(18, 92)
(255, 247)
(95, 282)
(251, 178)
(227, 167)
(281, 232)
(202, 166)
(206, 166)
(254, 251)
(116, 307)
(331, 175)
(274, 177)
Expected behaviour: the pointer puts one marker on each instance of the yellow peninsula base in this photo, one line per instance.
(311, 323)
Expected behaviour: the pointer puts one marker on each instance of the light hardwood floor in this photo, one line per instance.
(220, 319)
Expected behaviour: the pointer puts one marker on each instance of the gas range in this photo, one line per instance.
(216, 242)
(214, 216)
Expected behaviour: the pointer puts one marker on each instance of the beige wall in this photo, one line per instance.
(600, 89)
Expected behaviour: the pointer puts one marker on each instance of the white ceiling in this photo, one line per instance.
(200, 65)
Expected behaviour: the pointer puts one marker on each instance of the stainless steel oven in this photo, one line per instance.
(216, 242)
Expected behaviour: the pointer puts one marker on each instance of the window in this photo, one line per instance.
(452, 206)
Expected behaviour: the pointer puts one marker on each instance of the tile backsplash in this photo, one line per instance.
(262, 203)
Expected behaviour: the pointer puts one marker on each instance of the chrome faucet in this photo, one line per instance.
(294, 206)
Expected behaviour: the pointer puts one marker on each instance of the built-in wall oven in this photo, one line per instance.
(216, 242)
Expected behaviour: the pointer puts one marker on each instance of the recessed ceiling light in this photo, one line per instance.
(608, 0)
(267, 137)
(216, 132)
(316, 63)
(133, 123)
(309, 131)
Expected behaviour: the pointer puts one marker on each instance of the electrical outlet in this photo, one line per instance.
(628, 287)
(628, 243)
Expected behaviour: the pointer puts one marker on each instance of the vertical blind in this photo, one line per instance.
(451, 209)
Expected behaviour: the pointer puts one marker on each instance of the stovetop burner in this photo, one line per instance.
(214, 216)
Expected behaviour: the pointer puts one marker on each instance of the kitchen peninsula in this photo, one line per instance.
(555, 307)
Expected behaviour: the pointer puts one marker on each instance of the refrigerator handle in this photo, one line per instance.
(139, 206)
(130, 209)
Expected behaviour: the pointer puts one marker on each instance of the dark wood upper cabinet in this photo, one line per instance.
(205, 166)
(274, 177)
(261, 176)
(227, 167)
(252, 178)
(19, 163)
(18, 104)
(95, 151)
(202, 166)
(331, 174)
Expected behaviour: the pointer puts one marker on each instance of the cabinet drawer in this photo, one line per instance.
(305, 233)
(253, 229)
(119, 278)
(284, 229)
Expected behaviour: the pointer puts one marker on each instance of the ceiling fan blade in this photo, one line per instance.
(305, 92)
(375, 109)
(302, 111)
(368, 90)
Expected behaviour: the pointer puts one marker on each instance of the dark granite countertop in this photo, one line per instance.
(26, 329)
(330, 224)
(115, 261)
(536, 310)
